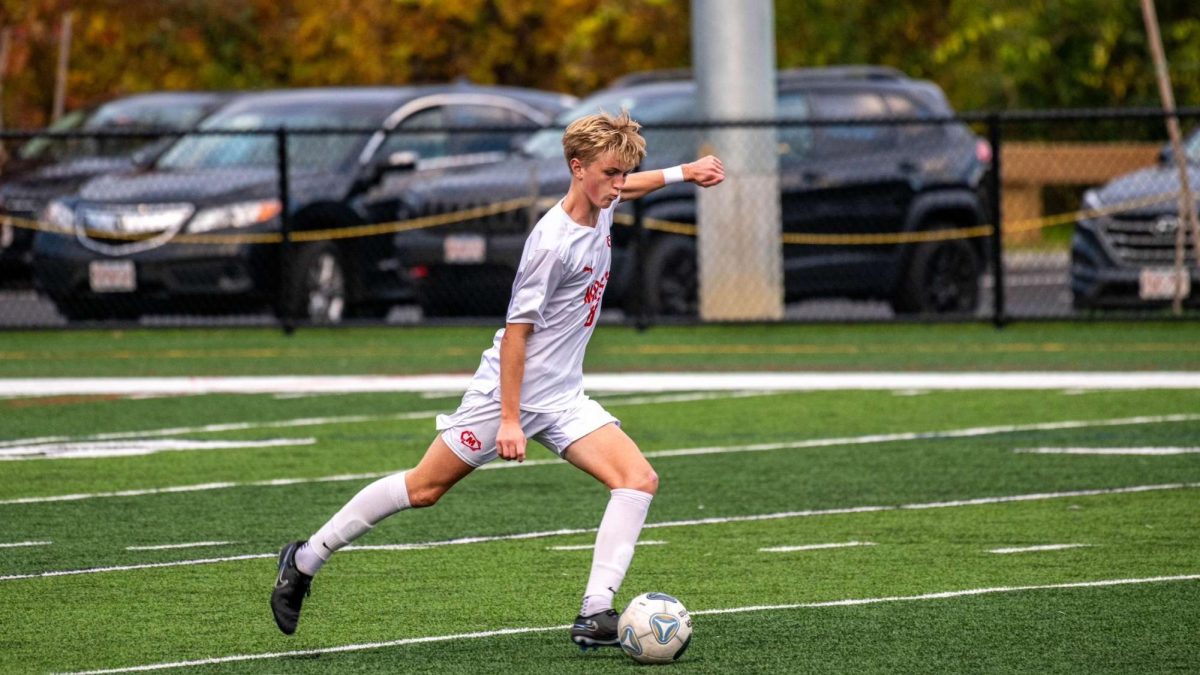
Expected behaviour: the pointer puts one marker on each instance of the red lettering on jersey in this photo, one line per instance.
(591, 298)
(587, 269)
(470, 440)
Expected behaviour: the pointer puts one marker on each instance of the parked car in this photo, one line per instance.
(46, 167)
(220, 183)
(835, 179)
(1123, 249)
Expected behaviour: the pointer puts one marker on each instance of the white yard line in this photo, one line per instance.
(22, 544)
(225, 426)
(713, 450)
(588, 547)
(135, 448)
(758, 517)
(1036, 549)
(603, 382)
(167, 547)
(1149, 452)
(347, 419)
(942, 595)
(814, 547)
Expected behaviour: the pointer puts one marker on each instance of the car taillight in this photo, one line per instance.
(418, 271)
(983, 151)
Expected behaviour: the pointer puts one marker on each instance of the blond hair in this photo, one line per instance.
(589, 137)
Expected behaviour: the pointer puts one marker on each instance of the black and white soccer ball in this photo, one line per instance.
(655, 628)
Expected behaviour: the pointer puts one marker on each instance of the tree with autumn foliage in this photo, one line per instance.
(996, 54)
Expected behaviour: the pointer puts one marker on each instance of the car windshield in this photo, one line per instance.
(121, 115)
(313, 150)
(1192, 150)
(649, 106)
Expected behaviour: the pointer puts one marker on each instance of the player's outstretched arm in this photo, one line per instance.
(705, 172)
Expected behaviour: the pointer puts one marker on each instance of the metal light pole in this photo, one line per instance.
(740, 246)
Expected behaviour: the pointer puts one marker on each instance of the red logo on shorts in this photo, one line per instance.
(469, 439)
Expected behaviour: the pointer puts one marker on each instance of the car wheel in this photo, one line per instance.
(316, 288)
(672, 279)
(942, 278)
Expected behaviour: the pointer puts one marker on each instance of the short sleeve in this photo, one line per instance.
(536, 281)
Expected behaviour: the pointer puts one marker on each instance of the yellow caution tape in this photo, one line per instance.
(653, 224)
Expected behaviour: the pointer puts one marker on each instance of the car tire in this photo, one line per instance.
(315, 290)
(672, 279)
(942, 277)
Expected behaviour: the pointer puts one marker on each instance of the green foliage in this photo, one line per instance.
(998, 54)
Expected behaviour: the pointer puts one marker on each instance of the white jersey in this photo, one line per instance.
(560, 281)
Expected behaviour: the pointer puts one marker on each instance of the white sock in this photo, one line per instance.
(372, 504)
(619, 531)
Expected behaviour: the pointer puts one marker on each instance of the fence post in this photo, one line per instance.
(287, 321)
(994, 189)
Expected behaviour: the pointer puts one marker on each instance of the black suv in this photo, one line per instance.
(192, 233)
(1123, 249)
(836, 179)
(50, 166)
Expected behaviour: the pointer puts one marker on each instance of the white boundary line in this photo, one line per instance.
(461, 541)
(23, 544)
(1145, 452)
(167, 547)
(813, 547)
(349, 419)
(1035, 549)
(610, 382)
(942, 595)
(684, 452)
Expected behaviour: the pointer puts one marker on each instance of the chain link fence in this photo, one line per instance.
(880, 219)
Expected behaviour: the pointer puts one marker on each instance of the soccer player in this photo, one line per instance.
(529, 384)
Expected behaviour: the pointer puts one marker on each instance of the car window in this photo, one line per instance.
(649, 106)
(423, 132)
(315, 150)
(54, 149)
(795, 140)
(1192, 150)
(494, 119)
(839, 139)
(902, 106)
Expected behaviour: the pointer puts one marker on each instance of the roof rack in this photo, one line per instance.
(852, 72)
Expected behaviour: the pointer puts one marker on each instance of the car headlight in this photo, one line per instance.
(59, 216)
(229, 216)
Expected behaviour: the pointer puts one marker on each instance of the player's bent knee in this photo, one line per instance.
(646, 481)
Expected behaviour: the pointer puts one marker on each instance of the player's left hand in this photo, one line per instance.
(705, 172)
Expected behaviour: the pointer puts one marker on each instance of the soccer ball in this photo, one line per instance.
(655, 628)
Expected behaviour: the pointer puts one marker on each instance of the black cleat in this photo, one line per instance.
(595, 631)
(291, 587)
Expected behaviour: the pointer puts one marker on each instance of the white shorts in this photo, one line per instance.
(471, 430)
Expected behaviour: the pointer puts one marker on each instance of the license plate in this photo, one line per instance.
(112, 276)
(1160, 283)
(464, 249)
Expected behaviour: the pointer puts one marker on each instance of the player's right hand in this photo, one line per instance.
(510, 442)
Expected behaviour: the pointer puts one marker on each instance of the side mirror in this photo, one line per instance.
(404, 160)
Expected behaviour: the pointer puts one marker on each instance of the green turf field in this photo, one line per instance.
(925, 485)
(867, 347)
(141, 616)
